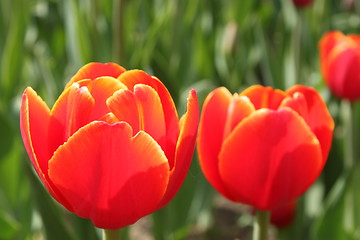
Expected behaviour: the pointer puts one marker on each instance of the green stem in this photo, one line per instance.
(94, 30)
(118, 30)
(261, 225)
(350, 164)
(111, 234)
(350, 149)
(297, 35)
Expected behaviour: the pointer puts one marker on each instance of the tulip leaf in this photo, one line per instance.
(14, 187)
(336, 219)
(193, 198)
(50, 213)
(8, 226)
(7, 133)
(356, 199)
(76, 29)
(12, 56)
(15, 200)
(84, 229)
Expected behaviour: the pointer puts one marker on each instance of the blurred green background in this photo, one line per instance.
(200, 44)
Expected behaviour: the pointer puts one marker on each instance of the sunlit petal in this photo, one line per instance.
(184, 148)
(210, 135)
(110, 176)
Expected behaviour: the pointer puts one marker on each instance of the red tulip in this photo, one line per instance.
(340, 63)
(264, 147)
(111, 149)
(302, 3)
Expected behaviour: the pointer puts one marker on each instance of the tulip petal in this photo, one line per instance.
(317, 116)
(264, 159)
(134, 77)
(124, 105)
(71, 111)
(343, 74)
(152, 113)
(101, 89)
(355, 38)
(184, 148)
(109, 118)
(239, 108)
(110, 176)
(142, 109)
(296, 102)
(34, 120)
(326, 45)
(94, 70)
(264, 97)
(210, 136)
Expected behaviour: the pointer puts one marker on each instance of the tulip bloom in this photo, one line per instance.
(340, 63)
(264, 147)
(111, 149)
(302, 3)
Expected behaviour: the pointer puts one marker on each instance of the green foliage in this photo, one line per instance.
(200, 44)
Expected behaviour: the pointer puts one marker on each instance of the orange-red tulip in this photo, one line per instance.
(302, 3)
(340, 64)
(112, 148)
(264, 147)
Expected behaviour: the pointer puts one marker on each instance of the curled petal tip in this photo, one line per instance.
(184, 148)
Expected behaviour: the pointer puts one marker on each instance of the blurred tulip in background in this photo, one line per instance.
(340, 64)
